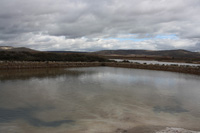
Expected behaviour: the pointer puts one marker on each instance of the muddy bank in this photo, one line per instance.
(47, 64)
(36, 65)
(171, 68)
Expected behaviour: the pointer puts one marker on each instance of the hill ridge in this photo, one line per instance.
(178, 53)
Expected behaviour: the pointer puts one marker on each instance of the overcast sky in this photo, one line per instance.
(90, 25)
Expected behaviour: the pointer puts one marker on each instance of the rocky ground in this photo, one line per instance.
(176, 130)
(155, 129)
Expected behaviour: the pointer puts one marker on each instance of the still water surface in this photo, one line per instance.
(157, 62)
(96, 100)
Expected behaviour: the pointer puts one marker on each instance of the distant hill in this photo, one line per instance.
(8, 53)
(165, 53)
(66, 52)
(16, 49)
(23, 53)
(24, 49)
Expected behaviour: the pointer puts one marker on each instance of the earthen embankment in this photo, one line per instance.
(35, 65)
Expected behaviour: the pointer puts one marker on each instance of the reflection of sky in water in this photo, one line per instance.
(133, 78)
(86, 98)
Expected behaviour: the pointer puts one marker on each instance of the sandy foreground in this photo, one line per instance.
(156, 130)
(176, 130)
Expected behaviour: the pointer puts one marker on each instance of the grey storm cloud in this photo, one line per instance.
(84, 24)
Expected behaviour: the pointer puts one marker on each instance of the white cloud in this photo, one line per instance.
(63, 24)
(49, 42)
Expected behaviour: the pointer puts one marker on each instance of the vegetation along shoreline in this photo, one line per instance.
(6, 65)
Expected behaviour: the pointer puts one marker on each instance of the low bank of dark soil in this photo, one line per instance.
(51, 64)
